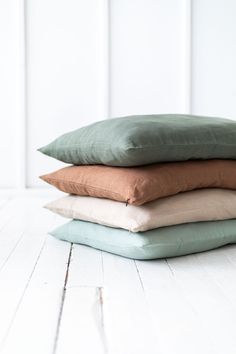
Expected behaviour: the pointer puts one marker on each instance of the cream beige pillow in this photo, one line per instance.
(199, 205)
(139, 185)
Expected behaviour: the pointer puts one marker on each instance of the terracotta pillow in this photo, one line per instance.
(138, 185)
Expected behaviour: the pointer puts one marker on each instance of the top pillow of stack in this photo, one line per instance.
(146, 139)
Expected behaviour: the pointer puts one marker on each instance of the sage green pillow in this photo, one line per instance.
(164, 242)
(146, 139)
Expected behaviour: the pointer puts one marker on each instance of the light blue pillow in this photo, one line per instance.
(163, 242)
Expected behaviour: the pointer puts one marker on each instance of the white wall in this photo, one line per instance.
(214, 57)
(147, 39)
(66, 63)
(62, 73)
(9, 58)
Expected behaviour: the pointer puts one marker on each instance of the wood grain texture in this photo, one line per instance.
(57, 298)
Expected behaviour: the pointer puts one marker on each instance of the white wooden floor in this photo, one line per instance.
(57, 298)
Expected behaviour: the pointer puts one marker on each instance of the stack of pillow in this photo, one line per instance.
(147, 187)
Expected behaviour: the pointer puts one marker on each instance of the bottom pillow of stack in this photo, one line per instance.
(185, 223)
(164, 242)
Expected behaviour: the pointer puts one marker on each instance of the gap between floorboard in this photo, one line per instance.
(62, 301)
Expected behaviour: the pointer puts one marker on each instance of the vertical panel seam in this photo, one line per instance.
(22, 99)
(188, 55)
(105, 60)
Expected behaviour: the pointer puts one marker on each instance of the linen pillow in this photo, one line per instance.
(199, 205)
(146, 139)
(138, 185)
(164, 242)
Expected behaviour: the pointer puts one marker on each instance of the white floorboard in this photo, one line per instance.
(41, 303)
(81, 329)
(57, 298)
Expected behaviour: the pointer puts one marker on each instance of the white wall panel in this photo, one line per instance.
(147, 52)
(214, 57)
(63, 62)
(9, 23)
